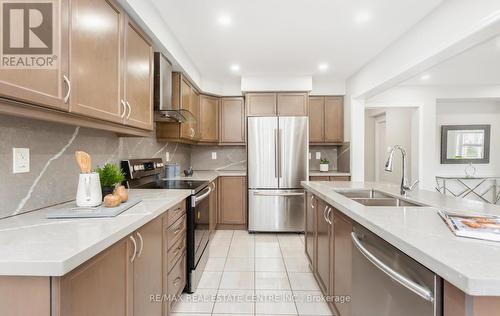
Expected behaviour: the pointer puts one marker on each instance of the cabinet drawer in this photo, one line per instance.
(175, 212)
(176, 280)
(176, 231)
(174, 253)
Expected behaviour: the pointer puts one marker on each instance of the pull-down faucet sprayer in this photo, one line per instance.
(405, 187)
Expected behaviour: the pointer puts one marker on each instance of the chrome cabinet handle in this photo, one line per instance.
(142, 244)
(193, 132)
(421, 291)
(312, 201)
(328, 215)
(135, 249)
(129, 110)
(324, 213)
(176, 280)
(213, 186)
(124, 111)
(68, 83)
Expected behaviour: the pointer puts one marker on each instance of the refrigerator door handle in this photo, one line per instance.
(278, 194)
(276, 154)
(280, 141)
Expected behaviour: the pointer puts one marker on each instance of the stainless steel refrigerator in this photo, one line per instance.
(277, 163)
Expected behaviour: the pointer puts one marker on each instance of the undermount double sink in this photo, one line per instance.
(377, 198)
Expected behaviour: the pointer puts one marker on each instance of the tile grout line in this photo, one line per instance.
(222, 274)
(288, 277)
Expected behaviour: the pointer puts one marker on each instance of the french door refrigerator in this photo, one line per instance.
(277, 163)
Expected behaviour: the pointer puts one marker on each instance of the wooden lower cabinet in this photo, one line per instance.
(327, 178)
(25, 295)
(310, 230)
(323, 244)
(213, 209)
(232, 201)
(341, 281)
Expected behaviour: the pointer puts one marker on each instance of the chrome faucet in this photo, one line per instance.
(405, 187)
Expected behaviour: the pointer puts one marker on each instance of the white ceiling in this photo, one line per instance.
(475, 67)
(287, 37)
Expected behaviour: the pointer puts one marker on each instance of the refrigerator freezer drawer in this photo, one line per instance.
(276, 210)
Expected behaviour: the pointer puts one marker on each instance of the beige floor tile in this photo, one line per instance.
(240, 265)
(303, 282)
(293, 252)
(268, 252)
(210, 280)
(241, 252)
(218, 252)
(297, 265)
(269, 264)
(275, 302)
(235, 302)
(237, 280)
(201, 302)
(311, 303)
(271, 281)
(215, 264)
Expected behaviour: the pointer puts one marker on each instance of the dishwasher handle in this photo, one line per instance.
(421, 291)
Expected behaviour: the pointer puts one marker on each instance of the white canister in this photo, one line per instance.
(89, 192)
(323, 167)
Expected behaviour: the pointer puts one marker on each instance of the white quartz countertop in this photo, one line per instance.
(471, 265)
(210, 175)
(31, 244)
(317, 173)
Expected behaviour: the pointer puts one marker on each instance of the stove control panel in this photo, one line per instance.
(140, 168)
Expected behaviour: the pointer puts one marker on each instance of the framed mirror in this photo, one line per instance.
(463, 144)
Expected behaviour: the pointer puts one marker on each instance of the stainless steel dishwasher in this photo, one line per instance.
(386, 282)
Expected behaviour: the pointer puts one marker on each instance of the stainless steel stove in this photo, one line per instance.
(147, 174)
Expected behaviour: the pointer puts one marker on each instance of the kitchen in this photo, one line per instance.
(216, 179)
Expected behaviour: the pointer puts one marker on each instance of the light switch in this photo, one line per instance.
(318, 155)
(167, 156)
(214, 155)
(21, 160)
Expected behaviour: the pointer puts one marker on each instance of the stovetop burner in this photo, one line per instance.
(194, 186)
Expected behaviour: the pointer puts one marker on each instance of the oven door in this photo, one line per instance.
(198, 228)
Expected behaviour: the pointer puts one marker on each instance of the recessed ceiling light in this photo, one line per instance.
(362, 17)
(425, 77)
(235, 67)
(323, 67)
(224, 20)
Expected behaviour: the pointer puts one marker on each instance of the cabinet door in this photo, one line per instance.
(334, 119)
(99, 286)
(232, 200)
(148, 268)
(187, 130)
(342, 258)
(195, 109)
(232, 121)
(292, 104)
(209, 119)
(323, 247)
(261, 104)
(212, 221)
(44, 87)
(340, 178)
(96, 59)
(310, 231)
(316, 119)
(319, 178)
(138, 78)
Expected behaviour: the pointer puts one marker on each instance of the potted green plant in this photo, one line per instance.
(110, 176)
(324, 165)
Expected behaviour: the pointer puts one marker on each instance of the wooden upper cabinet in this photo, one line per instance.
(232, 200)
(138, 78)
(334, 119)
(96, 54)
(293, 104)
(316, 119)
(232, 121)
(99, 286)
(209, 119)
(195, 109)
(148, 267)
(261, 104)
(45, 87)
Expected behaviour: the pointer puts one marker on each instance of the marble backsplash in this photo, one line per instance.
(54, 172)
(329, 152)
(228, 158)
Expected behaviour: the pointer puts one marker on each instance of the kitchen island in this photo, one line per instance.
(469, 267)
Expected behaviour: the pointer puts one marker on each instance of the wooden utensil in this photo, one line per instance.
(84, 161)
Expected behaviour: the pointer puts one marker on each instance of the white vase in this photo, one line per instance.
(323, 167)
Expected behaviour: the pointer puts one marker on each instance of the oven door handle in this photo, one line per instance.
(421, 291)
(198, 198)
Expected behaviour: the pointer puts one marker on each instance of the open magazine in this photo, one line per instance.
(479, 226)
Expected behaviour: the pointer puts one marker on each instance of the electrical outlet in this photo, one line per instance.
(310, 156)
(318, 155)
(214, 155)
(20, 160)
(167, 156)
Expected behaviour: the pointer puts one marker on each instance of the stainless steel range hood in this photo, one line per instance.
(164, 111)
